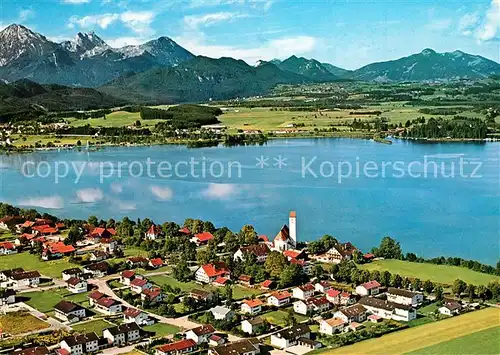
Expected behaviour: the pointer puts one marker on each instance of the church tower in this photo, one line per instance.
(293, 227)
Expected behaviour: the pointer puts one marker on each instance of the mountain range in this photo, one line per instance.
(162, 71)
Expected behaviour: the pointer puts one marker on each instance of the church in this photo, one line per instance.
(286, 238)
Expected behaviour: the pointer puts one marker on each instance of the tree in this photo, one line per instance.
(93, 221)
(181, 271)
(248, 235)
(275, 263)
(470, 291)
(388, 249)
(439, 293)
(291, 275)
(458, 287)
(385, 278)
(428, 286)
(482, 292)
(75, 234)
(396, 280)
(290, 319)
(208, 227)
(227, 293)
(417, 284)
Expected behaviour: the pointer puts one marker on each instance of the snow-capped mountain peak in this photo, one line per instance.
(86, 44)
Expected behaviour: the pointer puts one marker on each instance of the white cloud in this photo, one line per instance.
(116, 188)
(265, 4)
(89, 195)
(137, 21)
(220, 191)
(439, 24)
(467, 22)
(53, 202)
(196, 21)
(490, 27)
(162, 193)
(25, 15)
(280, 48)
(125, 41)
(75, 2)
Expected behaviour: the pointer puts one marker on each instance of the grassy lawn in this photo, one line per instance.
(21, 322)
(415, 338)
(31, 140)
(443, 274)
(161, 280)
(115, 284)
(96, 326)
(115, 119)
(44, 301)
(162, 329)
(240, 292)
(31, 262)
(278, 317)
(483, 342)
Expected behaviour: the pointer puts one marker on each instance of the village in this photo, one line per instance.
(166, 306)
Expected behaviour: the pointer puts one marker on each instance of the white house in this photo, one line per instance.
(322, 286)
(251, 307)
(154, 232)
(450, 308)
(388, 310)
(80, 343)
(241, 347)
(133, 315)
(355, 313)
(139, 285)
(184, 346)
(279, 299)
(7, 296)
(7, 248)
(73, 272)
(208, 273)
(22, 279)
(369, 288)
(290, 336)
(303, 292)
(123, 334)
(69, 311)
(97, 270)
(331, 326)
(127, 276)
(76, 285)
(200, 334)
(311, 305)
(108, 306)
(222, 313)
(260, 251)
(406, 297)
(249, 326)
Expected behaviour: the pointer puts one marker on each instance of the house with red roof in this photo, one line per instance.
(10, 221)
(312, 305)
(127, 276)
(155, 263)
(322, 286)
(44, 229)
(369, 288)
(279, 299)
(303, 292)
(57, 250)
(184, 346)
(295, 254)
(221, 281)
(251, 307)
(95, 296)
(137, 261)
(7, 248)
(268, 285)
(139, 285)
(202, 238)
(201, 334)
(208, 273)
(100, 232)
(134, 315)
(153, 295)
(108, 305)
(333, 296)
(154, 232)
(185, 231)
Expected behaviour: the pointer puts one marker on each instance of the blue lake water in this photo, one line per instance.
(430, 215)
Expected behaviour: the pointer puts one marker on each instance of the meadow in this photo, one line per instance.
(413, 339)
(31, 262)
(442, 274)
(21, 322)
(97, 326)
(44, 301)
(161, 329)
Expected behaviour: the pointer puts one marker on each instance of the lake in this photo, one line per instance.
(435, 198)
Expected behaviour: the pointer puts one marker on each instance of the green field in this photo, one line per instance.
(415, 338)
(162, 329)
(115, 119)
(96, 326)
(483, 342)
(31, 140)
(30, 262)
(278, 317)
(44, 301)
(443, 274)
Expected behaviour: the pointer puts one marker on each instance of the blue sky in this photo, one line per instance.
(346, 33)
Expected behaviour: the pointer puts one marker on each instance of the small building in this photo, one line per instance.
(208, 273)
(155, 263)
(202, 238)
(279, 299)
(259, 251)
(406, 297)
(184, 346)
(388, 310)
(354, 313)
(268, 285)
(7, 296)
(154, 232)
(245, 280)
(108, 305)
(450, 308)
(369, 288)
(216, 340)
(123, 334)
(23, 279)
(80, 344)
(94, 296)
(355, 326)
(97, 270)
(251, 307)
(200, 334)
(290, 336)
(137, 262)
(73, 272)
(241, 347)
(222, 313)
(139, 285)
(322, 286)
(153, 295)
(250, 326)
(69, 312)
(98, 255)
(311, 305)
(134, 315)
(333, 296)
(127, 276)
(331, 326)
(221, 281)
(7, 248)
(57, 250)
(76, 285)
(303, 292)
(201, 295)
(291, 254)
(37, 350)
